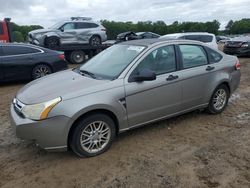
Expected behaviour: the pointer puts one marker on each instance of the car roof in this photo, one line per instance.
(156, 41)
(188, 33)
(19, 44)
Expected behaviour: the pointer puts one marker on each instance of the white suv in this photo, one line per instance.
(77, 30)
(207, 38)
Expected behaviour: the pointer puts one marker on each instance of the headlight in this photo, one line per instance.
(39, 111)
(38, 35)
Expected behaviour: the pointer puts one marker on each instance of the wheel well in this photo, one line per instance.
(96, 36)
(98, 111)
(227, 85)
(46, 38)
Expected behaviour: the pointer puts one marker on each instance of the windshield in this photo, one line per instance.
(110, 63)
(56, 26)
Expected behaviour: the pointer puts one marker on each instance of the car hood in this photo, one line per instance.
(41, 31)
(66, 84)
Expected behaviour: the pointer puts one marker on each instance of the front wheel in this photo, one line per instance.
(92, 135)
(219, 100)
(52, 42)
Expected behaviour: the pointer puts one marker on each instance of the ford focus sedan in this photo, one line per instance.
(126, 86)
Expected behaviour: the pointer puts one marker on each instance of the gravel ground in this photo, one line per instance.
(193, 150)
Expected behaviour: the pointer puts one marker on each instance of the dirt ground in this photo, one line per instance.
(193, 150)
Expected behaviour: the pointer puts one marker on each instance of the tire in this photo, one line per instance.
(77, 57)
(41, 71)
(219, 100)
(52, 42)
(86, 139)
(95, 41)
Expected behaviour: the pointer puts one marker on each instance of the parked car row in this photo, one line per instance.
(27, 62)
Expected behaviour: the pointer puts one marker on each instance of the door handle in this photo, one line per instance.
(209, 68)
(172, 77)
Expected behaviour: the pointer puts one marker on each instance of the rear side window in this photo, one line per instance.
(214, 57)
(193, 37)
(206, 38)
(18, 50)
(193, 56)
(85, 25)
(201, 38)
(1, 28)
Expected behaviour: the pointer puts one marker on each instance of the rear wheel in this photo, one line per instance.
(95, 41)
(40, 71)
(77, 57)
(219, 99)
(52, 42)
(92, 135)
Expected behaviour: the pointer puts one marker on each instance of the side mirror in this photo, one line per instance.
(61, 29)
(143, 75)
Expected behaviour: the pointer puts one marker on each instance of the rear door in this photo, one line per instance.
(196, 76)
(85, 30)
(17, 61)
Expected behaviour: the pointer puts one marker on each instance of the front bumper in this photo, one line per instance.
(49, 134)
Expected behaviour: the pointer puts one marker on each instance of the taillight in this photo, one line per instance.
(62, 56)
(237, 65)
(104, 29)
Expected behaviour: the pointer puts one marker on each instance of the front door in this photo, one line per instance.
(152, 100)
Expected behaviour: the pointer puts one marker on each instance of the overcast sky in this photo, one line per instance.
(47, 12)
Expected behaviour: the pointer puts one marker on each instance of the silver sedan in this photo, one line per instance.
(126, 86)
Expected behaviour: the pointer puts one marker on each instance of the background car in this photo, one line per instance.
(26, 62)
(128, 85)
(129, 35)
(78, 30)
(239, 46)
(207, 38)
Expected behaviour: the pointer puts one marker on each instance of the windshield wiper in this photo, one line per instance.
(84, 72)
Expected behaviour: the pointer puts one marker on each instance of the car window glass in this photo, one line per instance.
(193, 56)
(206, 38)
(1, 28)
(147, 35)
(82, 25)
(214, 57)
(18, 50)
(69, 26)
(92, 25)
(161, 60)
(193, 37)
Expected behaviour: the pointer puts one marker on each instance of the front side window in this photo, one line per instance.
(18, 50)
(110, 63)
(192, 56)
(69, 26)
(161, 60)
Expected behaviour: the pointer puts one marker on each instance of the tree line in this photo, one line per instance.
(114, 28)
